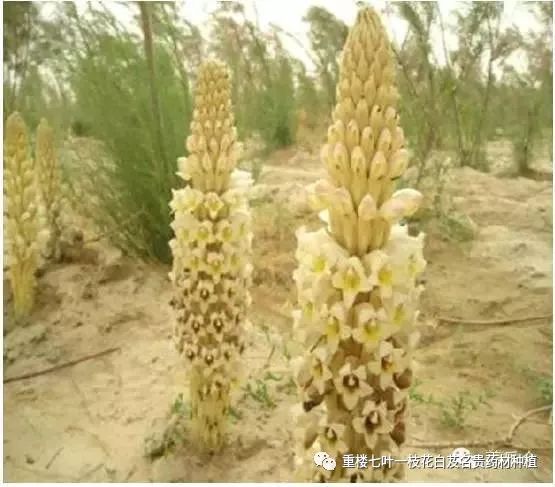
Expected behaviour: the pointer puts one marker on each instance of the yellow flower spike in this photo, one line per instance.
(375, 282)
(23, 217)
(211, 248)
(48, 175)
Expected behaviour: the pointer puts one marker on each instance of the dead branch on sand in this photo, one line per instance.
(503, 321)
(506, 441)
(61, 366)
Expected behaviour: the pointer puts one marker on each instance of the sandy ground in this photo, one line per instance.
(94, 421)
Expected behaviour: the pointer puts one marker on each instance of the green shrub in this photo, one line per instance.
(114, 105)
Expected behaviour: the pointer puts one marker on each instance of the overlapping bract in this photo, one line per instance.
(23, 216)
(48, 174)
(211, 250)
(357, 280)
(365, 152)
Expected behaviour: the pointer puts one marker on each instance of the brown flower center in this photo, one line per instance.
(387, 363)
(372, 421)
(331, 434)
(218, 324)
(350, 381)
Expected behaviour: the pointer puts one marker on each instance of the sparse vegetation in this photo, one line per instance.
(454, 411)
(543, 384)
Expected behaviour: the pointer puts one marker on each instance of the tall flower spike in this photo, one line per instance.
(211, 249)
(357, 372)
(49, 186)
(24, 222)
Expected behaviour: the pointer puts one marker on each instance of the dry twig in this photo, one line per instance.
(506, 441)
(503, 321)
(61, 366)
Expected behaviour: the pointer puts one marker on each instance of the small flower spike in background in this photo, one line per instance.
(48, 173)
(24, 226)
(357, 281)
(211, 249)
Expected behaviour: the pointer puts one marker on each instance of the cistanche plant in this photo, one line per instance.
(24, 229)
(357, 279)
(49, 179)
(211, 250)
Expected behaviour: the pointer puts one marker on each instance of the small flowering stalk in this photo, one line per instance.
(23, 218)
(211, 249)
(48, 174)
(357, 280)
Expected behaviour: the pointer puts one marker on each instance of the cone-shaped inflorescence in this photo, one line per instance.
(357, 280)
(48, 174)
(211, 249)
(24, 225)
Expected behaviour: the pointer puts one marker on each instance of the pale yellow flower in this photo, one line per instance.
(319, 371)
(195, 323)
(373, 422)
(401, 310)
(389, 361)
(331, 438)
(214, 266)
(336, 328)
(230, 287)
(224, 233)
(205, 233)
(213, 204)
(371, 326)
(351, 279)
(191, 353)
(402, 204)
(351, 385)
(185, 200)
(217, 322)
(212, 361)
(185, 226)
(194, 261)
(377, 264)
(189, 167)
(204, 294)
(406, 256)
